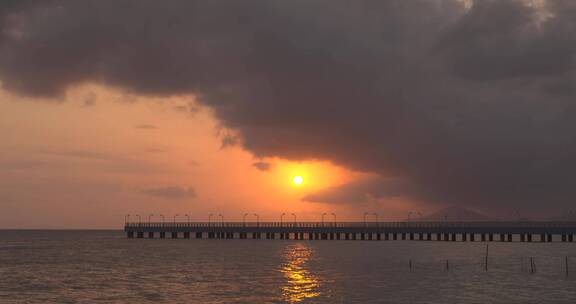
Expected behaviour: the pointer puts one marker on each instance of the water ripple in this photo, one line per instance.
(103, 267)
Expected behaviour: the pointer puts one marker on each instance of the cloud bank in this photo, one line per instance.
(471, 106)
(171, 192)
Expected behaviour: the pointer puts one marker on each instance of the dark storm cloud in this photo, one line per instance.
(262, 166)
(468, 107)
(171, 192)
(10, 7)
(360, 191)
(500, 40)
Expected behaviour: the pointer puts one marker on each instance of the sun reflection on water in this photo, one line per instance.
(300, 284)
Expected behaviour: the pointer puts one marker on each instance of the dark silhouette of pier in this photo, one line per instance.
(380, 231)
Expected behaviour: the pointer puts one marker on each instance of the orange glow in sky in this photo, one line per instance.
(97, 154)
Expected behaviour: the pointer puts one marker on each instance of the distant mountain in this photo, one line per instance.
(457, 214)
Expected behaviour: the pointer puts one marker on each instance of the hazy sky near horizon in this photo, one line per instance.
(198, 107)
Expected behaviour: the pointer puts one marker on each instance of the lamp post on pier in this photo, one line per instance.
(377, 221)
(257, 220)
(244, 219)
(126, 219)
(334, 215)
(365, 214)
(323, 214)
(150, 218)
(175, 216)
(210, 219)
(139, 219)
(188, 217)
(221, 219)
(281, 218)
(294, 215)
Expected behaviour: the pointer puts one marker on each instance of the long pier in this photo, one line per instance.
(374, 231)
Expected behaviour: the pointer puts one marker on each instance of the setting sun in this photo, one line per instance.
(297, 180)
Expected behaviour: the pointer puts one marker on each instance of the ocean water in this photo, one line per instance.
(105, 267)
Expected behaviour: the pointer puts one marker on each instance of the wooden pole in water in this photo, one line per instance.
(566, 265)
(486, 259)
(410, 264)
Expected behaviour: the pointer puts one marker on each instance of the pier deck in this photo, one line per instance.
(437, 231)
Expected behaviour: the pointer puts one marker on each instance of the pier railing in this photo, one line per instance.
(415, 225)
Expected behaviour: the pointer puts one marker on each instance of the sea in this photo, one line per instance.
(73, 266)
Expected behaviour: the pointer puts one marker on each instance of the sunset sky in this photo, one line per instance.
(97, 154)
(110, 108)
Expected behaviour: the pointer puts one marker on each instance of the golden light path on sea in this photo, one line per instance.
(300, 283)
